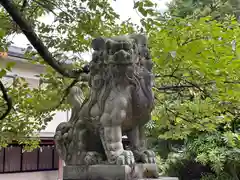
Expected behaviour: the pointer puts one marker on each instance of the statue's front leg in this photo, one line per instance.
(138, 145)
(111, 137)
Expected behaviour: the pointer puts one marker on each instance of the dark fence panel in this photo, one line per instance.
(45, 158)
(1, 159)
(14, 159)
(56, 159)
(29, 160)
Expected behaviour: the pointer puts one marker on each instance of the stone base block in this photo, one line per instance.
(113, 172)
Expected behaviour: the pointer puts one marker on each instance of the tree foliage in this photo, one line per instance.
(197, 92)
(200, 60)
(201, 8)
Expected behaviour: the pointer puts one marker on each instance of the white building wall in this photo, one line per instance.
(49, 131)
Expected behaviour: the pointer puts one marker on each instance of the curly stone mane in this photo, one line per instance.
(113, 73)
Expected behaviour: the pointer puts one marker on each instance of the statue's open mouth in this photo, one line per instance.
(119, 52)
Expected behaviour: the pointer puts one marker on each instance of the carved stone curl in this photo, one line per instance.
(119, 103)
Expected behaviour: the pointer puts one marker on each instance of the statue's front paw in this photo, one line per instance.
(126, 158)
(148, 156)
(92, 158)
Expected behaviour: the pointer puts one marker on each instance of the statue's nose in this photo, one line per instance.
(122, 56)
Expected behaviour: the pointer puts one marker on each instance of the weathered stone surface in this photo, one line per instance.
(113, 172)
(120, 102)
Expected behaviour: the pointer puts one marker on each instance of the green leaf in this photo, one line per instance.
(10, 65)
(148, 3)
(3, 72)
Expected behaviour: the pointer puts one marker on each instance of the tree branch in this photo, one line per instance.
(66, 93)
(34, 39)
(67, 90)
(24, 4)
(174, 87)
(45, 7)
(84, 70)
(191, 40)
(7, 99)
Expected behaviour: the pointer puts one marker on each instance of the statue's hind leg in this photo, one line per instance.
(65, 141)
(76, 144)
(70, 142)
(138, 145)
(83, 154)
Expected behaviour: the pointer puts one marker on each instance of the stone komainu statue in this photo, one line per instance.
(119, 103)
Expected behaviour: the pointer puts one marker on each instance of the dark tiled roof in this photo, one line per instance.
(19, 52)
(16, 51)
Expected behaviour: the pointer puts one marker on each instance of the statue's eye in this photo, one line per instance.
(127, 46)
(116, 47)
(108, 46)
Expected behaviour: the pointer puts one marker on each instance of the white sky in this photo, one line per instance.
(123, 7)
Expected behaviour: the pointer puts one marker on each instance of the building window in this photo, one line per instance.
(13, 159)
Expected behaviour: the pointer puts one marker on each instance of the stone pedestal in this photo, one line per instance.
(113, 172)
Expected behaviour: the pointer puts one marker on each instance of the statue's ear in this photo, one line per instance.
(98, 44)
(139, 38)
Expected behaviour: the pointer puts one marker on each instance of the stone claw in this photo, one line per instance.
(126, 158)
(148, 156)
(92, 158)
